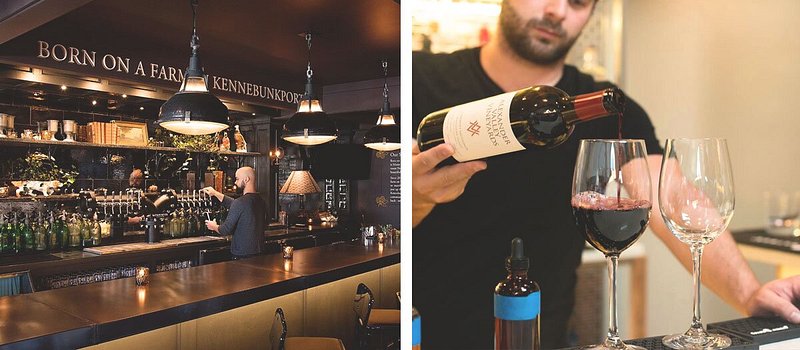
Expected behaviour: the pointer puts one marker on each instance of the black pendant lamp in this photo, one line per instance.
(385, 135)
(193, 110)
(310, 125)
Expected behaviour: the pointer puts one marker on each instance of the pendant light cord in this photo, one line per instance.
(385, 77)
(385, 107)
(309, 72)
(195, 43)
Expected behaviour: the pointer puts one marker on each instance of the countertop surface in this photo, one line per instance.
(94, 313)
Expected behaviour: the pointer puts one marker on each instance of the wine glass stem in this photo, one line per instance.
(697, 254)
(613, 332)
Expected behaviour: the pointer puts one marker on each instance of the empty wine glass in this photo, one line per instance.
(611, 201)
(696, 198)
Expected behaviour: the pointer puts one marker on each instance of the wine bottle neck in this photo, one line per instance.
(595, 105)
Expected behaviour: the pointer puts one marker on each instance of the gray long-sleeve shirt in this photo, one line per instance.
(245, 222)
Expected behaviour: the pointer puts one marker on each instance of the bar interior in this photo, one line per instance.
(249, 199)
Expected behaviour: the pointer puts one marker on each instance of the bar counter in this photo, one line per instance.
(45, 264)
(95, 313)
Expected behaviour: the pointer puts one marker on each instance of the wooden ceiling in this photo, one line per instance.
(252, 38)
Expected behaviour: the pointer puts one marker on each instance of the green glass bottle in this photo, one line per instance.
(63, 234)
(53, 228)
(3, 233)
(16, 247)
(27, 234)
(86, 232)
(40, 233)
(11, 229)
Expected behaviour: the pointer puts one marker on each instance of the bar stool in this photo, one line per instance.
(279, 341)
(370, 321)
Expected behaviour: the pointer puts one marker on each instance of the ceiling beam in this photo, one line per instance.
(18, 17)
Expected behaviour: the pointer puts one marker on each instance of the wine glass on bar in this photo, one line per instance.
(611, 201)
(696, 198)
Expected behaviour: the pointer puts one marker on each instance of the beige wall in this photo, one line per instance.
(716, 68)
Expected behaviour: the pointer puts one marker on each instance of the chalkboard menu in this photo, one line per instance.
(394, 178)
(379, 197)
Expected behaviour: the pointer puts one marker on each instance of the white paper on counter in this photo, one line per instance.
(791, 344)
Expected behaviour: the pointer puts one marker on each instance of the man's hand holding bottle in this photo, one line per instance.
(432, 185)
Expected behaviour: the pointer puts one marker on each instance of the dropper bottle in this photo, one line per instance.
(516, 305)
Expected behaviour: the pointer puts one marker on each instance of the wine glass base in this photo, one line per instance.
(607, 345)
(709, 342)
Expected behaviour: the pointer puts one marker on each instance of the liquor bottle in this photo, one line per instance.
(53, 228)
(86, 231)
(105, 228)
(63, 234)
(416, 330)
(516, 305)
(95, 230)
(241, 144)
(40, 233)
(74, 227)
(26, 234)
(538, 116)
(17, 243)
(191, 224)
(3, 232)
(10, 235)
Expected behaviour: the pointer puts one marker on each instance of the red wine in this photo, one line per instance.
(539, 116)
(610, 225)
(516, 305)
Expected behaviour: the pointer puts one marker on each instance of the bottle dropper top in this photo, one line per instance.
(517, 261)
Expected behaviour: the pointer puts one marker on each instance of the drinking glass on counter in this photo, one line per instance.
(697, 202)
(611, 201)
(782, 212)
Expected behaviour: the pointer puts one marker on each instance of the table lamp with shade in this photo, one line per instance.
(300, 182)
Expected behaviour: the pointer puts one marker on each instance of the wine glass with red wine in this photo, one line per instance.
(696, 200)
(611, 201)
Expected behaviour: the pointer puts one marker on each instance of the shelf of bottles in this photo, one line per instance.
(76, 144)
(94, 219)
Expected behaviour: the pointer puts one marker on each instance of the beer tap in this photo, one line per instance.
(113, 214)
(105, 204)
(128, 204)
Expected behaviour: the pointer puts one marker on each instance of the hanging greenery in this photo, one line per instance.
(197, 143)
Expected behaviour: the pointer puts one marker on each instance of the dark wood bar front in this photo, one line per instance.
(96, 313)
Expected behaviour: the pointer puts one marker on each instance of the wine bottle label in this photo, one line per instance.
(481, 128)
(416, 331)
(514, 308)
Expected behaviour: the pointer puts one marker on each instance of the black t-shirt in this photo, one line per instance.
(459, 250)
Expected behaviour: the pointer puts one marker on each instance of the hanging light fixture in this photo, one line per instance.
(193, 110)
(385, 135)
(310, 125)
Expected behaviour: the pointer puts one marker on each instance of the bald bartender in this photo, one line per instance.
(245, 221)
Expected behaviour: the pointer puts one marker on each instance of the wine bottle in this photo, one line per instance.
(538, 116)
(516, 305)
(416, 330)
